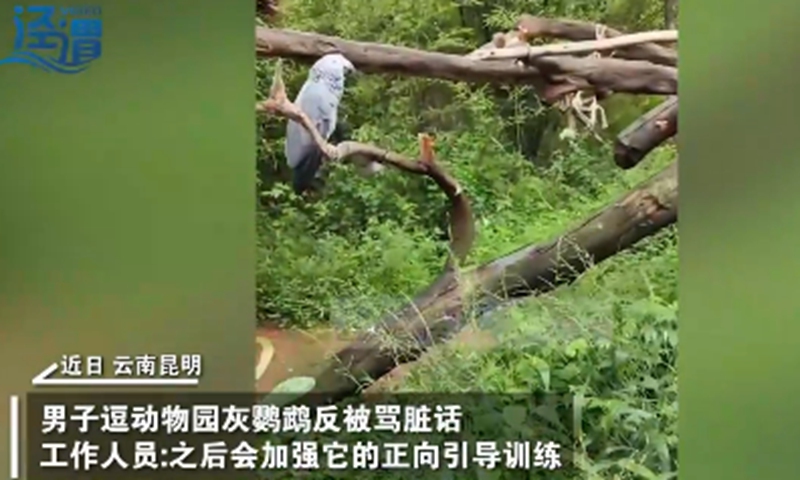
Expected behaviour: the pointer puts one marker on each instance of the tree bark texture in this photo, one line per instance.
(646, 133)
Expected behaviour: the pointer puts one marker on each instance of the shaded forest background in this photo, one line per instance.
(368, 244)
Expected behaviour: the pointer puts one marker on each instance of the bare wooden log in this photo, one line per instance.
(640, 76)
(646, 133)
(526, 51)
(538, 27)
(442, 309)
(553, 78)
(379, 58)
(499, 40)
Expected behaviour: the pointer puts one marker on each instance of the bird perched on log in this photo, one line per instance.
(319, 99)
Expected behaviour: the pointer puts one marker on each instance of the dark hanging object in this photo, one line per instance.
(266, 8)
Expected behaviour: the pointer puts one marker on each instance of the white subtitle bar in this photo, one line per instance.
(43, 380)
(13, 450)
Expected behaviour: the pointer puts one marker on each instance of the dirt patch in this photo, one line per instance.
(295, 352)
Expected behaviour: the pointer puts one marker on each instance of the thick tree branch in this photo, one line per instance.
(646, 133)
(553, 77)
(461, 221)
(443, 309)
(634, 76)
(532, 28)
(379, 58)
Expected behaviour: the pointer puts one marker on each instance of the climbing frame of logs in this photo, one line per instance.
(595, 62)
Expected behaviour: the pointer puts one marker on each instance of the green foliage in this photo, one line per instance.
(376, 241)
(611, 340)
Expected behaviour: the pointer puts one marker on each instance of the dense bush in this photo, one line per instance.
(377, 240)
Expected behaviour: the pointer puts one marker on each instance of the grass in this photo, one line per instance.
(610, 339)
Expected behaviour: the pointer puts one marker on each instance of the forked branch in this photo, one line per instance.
(462, 230)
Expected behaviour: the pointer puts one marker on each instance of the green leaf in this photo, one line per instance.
(290, 389)
(515, 415)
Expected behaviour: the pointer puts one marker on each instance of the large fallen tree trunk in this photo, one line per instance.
(443, 308)
(646, 133)
(552, 76)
